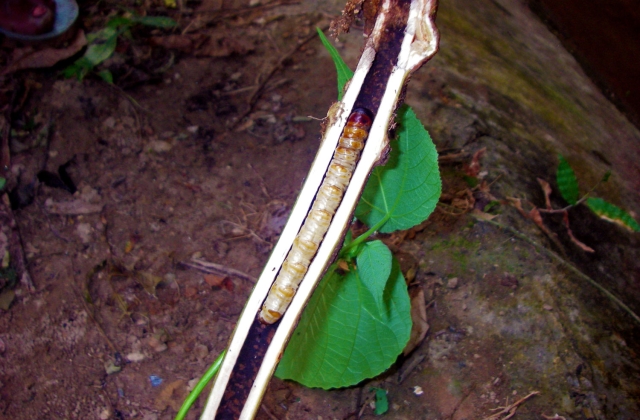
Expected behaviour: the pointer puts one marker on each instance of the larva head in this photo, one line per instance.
(361, 117)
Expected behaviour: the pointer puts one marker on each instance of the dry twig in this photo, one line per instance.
(213, 268)
(510, 410)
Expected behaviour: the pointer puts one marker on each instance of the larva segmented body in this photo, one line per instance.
(319, 217)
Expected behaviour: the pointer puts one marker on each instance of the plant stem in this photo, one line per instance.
(360, 239)
(202, 383)
(580, 201)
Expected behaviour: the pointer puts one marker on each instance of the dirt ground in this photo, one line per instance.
(119, 328)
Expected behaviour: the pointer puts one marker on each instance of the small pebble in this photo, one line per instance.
(417, 390)
(109, 122)
(135, 357)
(192, 384)
(452, 283)
(157, 345)
(159, 146)
(83, 230)
(200, 351)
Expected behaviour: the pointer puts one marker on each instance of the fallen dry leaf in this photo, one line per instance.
(420, 326)
(27, 58)
(536, 217)
(213, 280)
(546, 188)
(480, 215)
(171, 396)
(148, 281)
(473, 168)
(517, 203)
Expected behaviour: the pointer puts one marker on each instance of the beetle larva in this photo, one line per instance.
(319, 217)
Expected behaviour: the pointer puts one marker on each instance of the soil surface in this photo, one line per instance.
(198, 149)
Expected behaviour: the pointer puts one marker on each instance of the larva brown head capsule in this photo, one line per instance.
(361, 117)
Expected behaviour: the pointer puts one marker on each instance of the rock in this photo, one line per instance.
(200, 351)
(83, 230)
(135, 357)
(159, 146)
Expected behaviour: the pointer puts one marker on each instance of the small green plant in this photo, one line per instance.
(358, 321)
(202, 383)
(569, 190)
(568, 186)
(102, 43)
(382, 403)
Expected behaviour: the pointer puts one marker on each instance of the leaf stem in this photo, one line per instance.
(202, 383)
(580, 201)
(360, 239)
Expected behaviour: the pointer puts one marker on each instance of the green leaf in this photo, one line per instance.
(612, 213)
(344, 72)
(567, 182)
(106, 76)
(404, 192)
(79, 69)
(3, 182)
(102, 44)
(382, 403)
(119, 21)
(156, 21)
(343, 337)
(374, 266)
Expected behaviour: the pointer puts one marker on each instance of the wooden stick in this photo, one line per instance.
(213, 268)
(510, 410)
